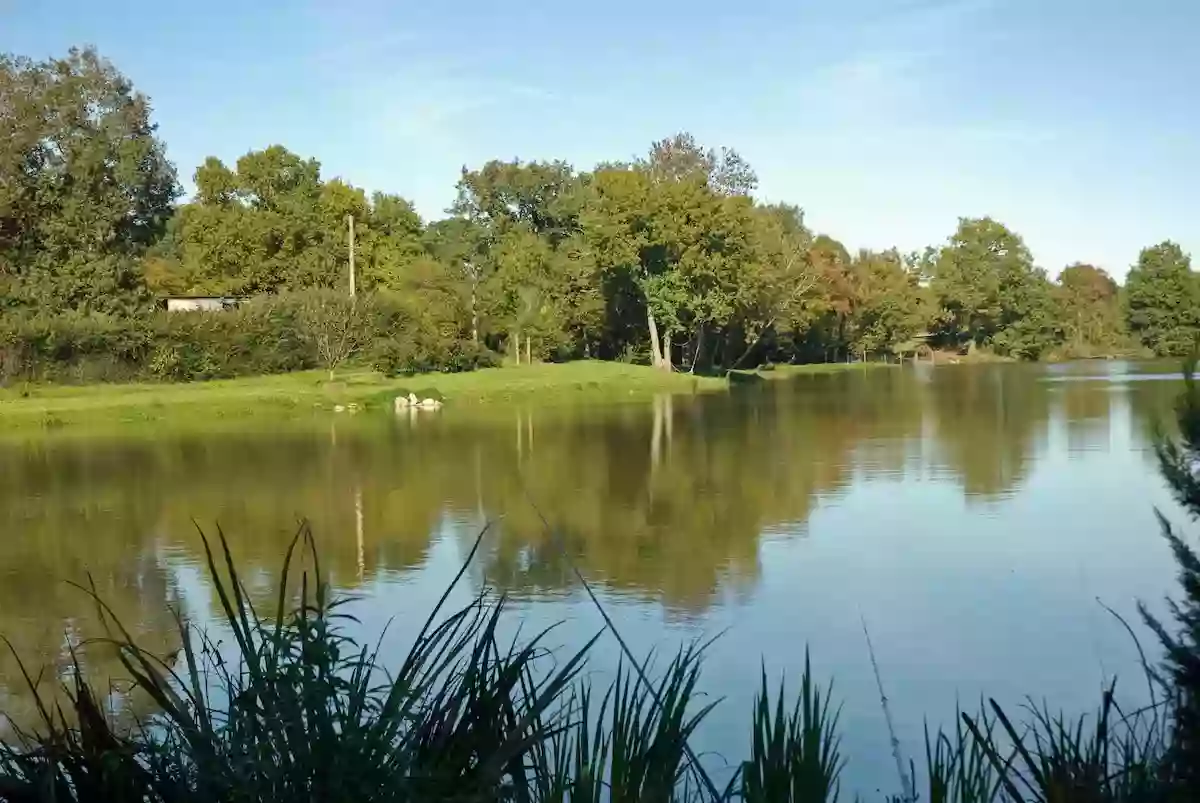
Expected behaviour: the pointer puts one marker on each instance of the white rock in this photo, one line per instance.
(430, 404)
(400, 403)
(337, 408)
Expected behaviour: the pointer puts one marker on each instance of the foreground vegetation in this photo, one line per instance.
(665, 259)
(289, 708)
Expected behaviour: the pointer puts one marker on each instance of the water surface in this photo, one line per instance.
(970, 516)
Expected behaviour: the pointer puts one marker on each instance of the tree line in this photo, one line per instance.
(667, 258)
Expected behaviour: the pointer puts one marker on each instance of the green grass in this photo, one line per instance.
(304, 395)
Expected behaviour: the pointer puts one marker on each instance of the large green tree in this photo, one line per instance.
(515, 243)
(1163, 300)
(990, 293)
(887, 307)
(674, 249)
(776, 286)
(85, 185)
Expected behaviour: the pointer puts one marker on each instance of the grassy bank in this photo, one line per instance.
(307, 394)
(312, 393)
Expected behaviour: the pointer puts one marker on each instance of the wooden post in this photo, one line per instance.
(350, 223)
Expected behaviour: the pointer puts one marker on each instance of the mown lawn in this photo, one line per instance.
(311, 393)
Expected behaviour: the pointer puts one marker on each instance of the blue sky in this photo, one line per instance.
(1073, 121)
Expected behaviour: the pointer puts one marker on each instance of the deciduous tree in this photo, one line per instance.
(1090, 307)
(990, 293)
(85, 186)
(1163, 300)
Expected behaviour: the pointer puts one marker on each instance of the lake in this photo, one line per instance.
(973, 518)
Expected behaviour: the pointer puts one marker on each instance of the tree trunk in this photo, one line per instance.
(528, 351)
(655, 354)
(517, 349)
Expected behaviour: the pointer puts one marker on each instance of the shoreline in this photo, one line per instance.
(291, 398)
(305, 396)
(310, 394)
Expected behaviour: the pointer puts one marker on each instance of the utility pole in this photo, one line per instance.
(473, 272)
(350, 223)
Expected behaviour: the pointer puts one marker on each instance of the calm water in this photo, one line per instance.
(971, 516)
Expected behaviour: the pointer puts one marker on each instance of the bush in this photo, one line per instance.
(409, 355)
(267, 335)
(72, 347)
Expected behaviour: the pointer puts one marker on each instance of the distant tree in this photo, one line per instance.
(777, 284)
(821, 325)
(675, 251)
(459, 246)
(1162, 297)
(277, 180)
(540, 195)
(681, 158)
(85, 186)
(1090, 306)
(1030, 322)
(887, 309)
(515, 241)
(519, 293)
(216, 184)
(990, 293)
(274, 224)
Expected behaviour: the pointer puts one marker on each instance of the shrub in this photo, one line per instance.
(266, 335)
(335, 325)
(406, 356)
(72, 347)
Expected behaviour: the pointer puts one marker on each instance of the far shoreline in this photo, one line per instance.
(306, 396)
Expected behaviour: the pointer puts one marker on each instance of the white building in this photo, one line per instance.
(200, 303)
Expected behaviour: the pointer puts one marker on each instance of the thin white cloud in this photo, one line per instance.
(441, 107)
(879, 92)
(865, 83)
